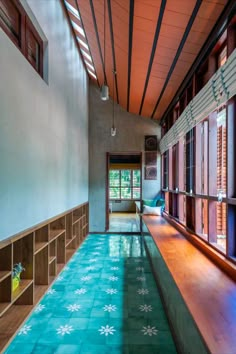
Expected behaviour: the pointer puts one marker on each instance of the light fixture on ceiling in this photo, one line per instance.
(104, 93)
(113, 128)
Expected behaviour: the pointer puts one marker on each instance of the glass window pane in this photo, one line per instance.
(136, 178)
(136, 193)
(114, 193)
(114, 178)
(125, 178)
(126, 193)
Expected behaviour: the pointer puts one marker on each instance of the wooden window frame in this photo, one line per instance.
(132, 187)
(25, 27)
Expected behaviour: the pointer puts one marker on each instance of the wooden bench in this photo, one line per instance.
(200, 299)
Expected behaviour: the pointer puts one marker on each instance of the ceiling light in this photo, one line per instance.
(113, 128)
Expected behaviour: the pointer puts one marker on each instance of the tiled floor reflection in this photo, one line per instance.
(104, 301)
(123, 222)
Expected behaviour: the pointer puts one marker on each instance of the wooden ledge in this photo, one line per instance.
(209, 294)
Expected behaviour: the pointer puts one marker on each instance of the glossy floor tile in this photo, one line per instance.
(123, 222)
(104, 301)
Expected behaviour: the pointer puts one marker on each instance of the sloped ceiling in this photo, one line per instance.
(151, 45)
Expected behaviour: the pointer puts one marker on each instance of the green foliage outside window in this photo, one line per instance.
(124, 184)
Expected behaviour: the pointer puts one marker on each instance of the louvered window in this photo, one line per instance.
(17, 25)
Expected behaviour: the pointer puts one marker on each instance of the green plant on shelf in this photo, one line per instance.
(16, 272)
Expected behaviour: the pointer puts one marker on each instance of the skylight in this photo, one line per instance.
(86, 55)
(72, 10)
(92, 74)
(89, 65)
(83, 43)
(78, 28)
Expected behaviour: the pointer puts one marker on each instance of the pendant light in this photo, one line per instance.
(113, 128)
(104, 93)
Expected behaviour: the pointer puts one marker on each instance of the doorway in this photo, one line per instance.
(124, 189)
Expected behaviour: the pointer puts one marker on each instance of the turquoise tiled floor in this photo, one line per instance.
(104, 301)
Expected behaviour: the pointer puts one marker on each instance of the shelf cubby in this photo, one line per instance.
(5, 294)
(43, 251)
(41, 267)
(69, 227)
(23, 253)
(60, 249)
(57, 228)
(41, 239)
(77, 214)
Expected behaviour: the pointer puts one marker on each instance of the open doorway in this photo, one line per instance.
(124, 189)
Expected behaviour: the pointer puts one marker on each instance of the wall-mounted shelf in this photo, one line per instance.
(43, 252)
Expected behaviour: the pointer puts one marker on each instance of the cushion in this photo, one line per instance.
(147, 210)
(161, 202)
(149, 202)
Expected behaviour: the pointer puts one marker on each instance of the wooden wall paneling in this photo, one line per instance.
(212, 221)
(231, 37)
(181, 164)
(198, 159)
(170, 174)
(198, 216)
(231, 152)
(212, 183)
(205, 157)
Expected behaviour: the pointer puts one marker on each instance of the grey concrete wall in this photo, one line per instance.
(43, 127)
(131, 130)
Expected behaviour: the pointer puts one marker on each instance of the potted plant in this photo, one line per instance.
(17, 269)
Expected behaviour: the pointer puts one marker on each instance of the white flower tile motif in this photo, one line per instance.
(39, 308)
(141, 278)
(115, 260)
(111, 291)
(140, 268)
(142, 291)
(62, 330)
(60, 278)
(98, 248)
(150, 331)
(145, 308)
(113, 278)
(51, 291)
(80, 291)
(73, 307)
(86, 278)
(138, 260)
(110, 308)
(95, 253)
(114, 268)
(92, 260)
(106, 330)
(24, 330)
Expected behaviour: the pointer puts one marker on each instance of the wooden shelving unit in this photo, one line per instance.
(43, 252)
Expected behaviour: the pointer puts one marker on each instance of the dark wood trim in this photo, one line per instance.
(98, 40)
(131, 20)
(182, 43)
(155, 40)
(218, 29)
(113, 48)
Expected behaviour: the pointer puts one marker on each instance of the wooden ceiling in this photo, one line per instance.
(151, 44)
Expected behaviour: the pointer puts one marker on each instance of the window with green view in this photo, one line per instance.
(124, 184)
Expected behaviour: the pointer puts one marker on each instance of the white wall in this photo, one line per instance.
(43, 127)
(131, 130)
